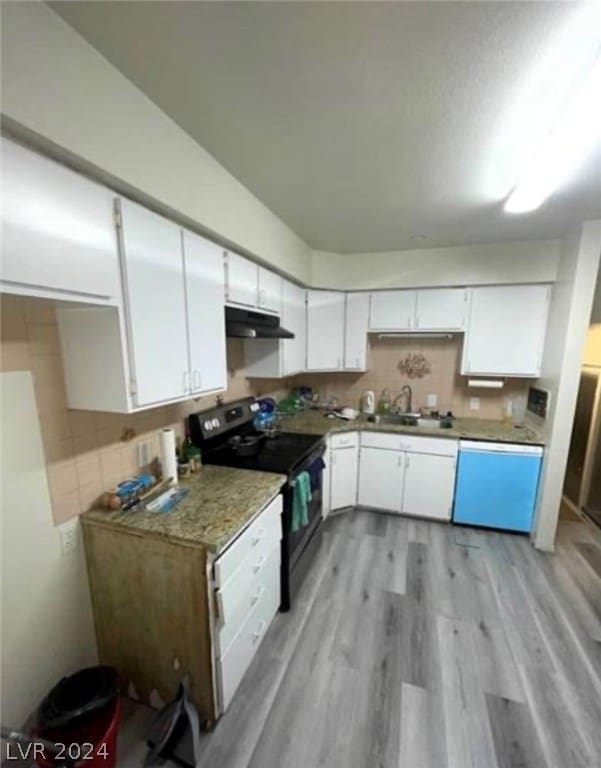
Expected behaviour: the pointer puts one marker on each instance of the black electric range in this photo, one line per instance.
(285, 453)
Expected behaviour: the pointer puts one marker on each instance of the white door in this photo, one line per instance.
(58, 232)
(241, 280)
(355, 331)
(344, 463)
(381, 478)
(441, 309)
(392, 310)
(294, 319)
(506, 329)
(270, 291)
(429, 485)
(205, 299)
(325, 330)
(155, 303)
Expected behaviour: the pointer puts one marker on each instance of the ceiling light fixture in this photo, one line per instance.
(564, 148)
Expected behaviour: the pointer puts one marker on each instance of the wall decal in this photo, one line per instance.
(415, 366)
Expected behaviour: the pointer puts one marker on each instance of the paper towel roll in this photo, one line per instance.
(168, 455)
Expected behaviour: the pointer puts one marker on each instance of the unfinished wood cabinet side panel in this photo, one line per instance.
(151, 612)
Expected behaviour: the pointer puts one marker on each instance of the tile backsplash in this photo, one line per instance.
(84, 450)
(438, 360)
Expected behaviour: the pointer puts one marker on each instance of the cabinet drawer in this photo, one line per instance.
(243, 591)
(440, 446)
(234, 663)
(384, 440)
(344, 440)
(268, 521)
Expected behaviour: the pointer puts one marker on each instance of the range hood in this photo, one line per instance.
(245, 324)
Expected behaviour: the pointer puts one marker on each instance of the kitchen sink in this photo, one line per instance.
(410, 420)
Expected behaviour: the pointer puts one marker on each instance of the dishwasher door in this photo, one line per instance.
(497, 485)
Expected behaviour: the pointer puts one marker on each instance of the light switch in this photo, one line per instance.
(474, 403)
(432, 401)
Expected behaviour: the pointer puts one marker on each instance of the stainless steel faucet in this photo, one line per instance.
(405, 396)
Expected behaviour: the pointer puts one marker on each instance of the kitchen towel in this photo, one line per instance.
(315, 470)
(168, 456)
(301, 496)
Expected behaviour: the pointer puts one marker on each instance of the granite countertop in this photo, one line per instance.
(220, 503)
(314, 422)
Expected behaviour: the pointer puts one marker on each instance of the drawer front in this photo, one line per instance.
(269, 520)
(242, 592)
(236, 660)
(384, 440)
(344, 440)
(440, 446)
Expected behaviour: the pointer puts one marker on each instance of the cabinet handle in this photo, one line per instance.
(255, 598)
(196, 380)
(406, 461)
(257, 538)
(259, 631)
(219, 605)
(259, 563)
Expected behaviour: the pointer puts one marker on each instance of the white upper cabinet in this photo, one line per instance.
(506, 329)
(392, 311)
(270, 291)
(293, 319)
(325, 330)
(441, 309)
(242, 280)
(153, 269)
(205, 293)
(355, 331)
(58, 232)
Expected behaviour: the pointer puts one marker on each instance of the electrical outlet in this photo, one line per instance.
(68, 533)
(144, 453)
(474, 403)
(432, 401)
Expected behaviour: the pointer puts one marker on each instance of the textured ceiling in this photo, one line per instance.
(364, 126)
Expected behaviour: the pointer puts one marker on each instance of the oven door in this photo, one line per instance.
(298, 546)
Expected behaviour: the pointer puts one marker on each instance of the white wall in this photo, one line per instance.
(47, 628)
(56, 85)
(569, 315)
(512, 262)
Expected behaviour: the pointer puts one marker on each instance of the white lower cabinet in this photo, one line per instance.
(381, 479)
(429, 486)
(247, 597)
(409, 475)
(344, 467)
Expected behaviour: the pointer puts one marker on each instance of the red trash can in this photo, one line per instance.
(82, 715)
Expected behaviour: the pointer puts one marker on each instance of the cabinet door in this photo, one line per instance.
(155, 302)
(392, 310)
(205, 299)
(441, 309)
(429, 486)
(58, 232)
(242, 280)
(506, 330)
(294, 319)
(270, 291)
(344, 463)
(355, 331)
(325, 330)
(381, 479)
